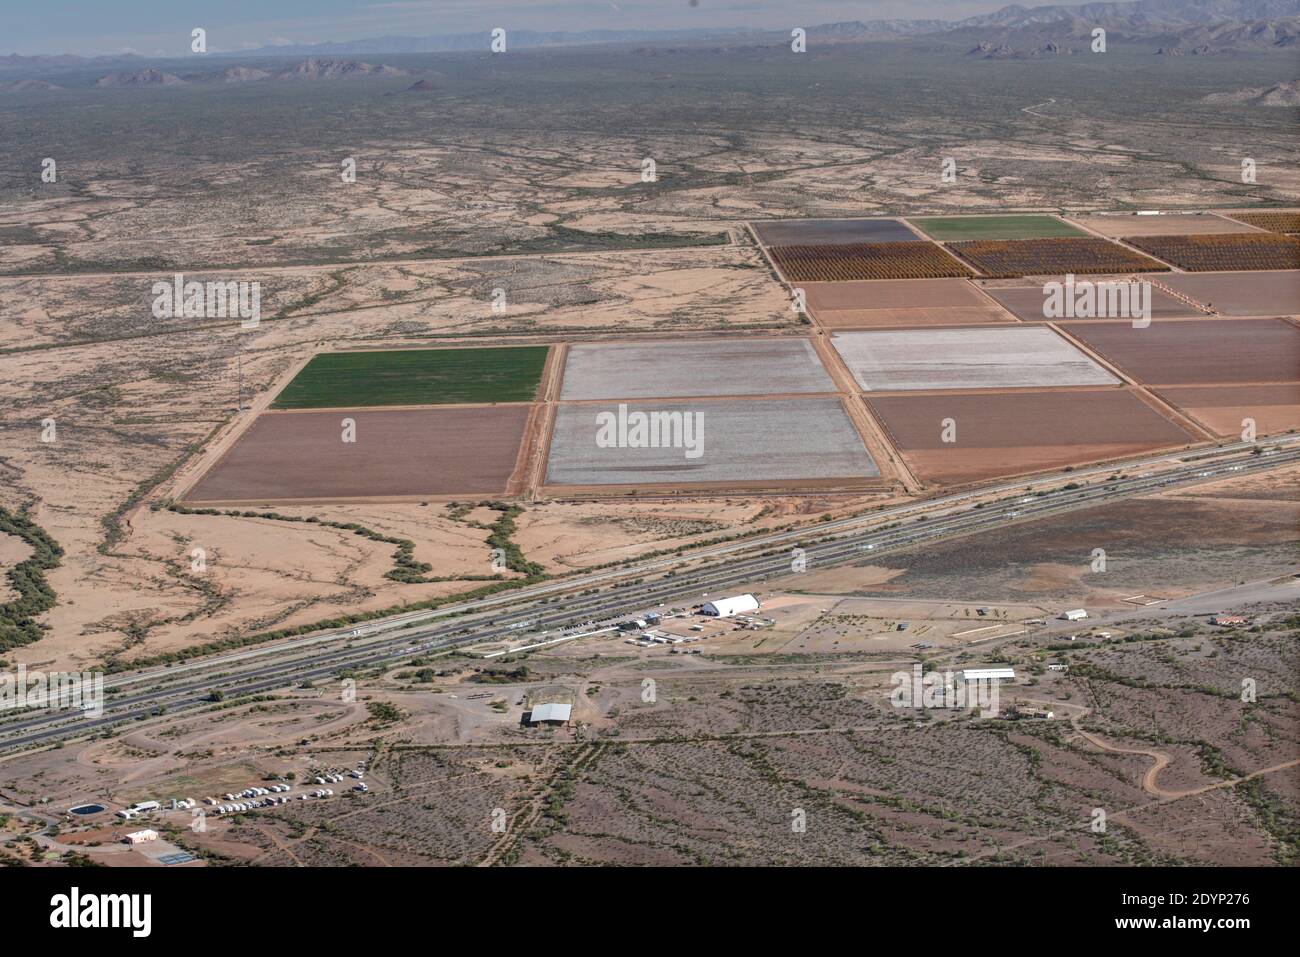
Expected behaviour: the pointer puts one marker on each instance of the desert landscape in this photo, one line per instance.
(523, 359)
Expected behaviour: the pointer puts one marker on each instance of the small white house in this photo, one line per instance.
(142, 837)
(1076, 614)
(726, 607)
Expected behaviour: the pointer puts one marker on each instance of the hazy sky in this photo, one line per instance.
(162, 27)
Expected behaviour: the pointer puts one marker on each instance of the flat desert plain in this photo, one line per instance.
(818, 232)
(1170, 224)
(1197, 351)
(991, 357)
(1006, 433)
(706, 367)
(1221, 408)
(1026, 302)
(899, 302)
(300, 456)
(1273, 293)
(742, 441)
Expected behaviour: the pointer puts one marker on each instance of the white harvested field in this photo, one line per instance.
(728, 441)
(681, 369)
(992, 357)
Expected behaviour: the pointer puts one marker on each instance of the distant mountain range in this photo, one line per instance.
(309, 69)
(1279, 94)
(1172, 25)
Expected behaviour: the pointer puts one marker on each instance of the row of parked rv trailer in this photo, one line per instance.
(249, 805)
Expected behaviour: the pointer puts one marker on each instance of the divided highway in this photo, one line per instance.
(746, 563)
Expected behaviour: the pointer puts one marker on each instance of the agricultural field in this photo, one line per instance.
(906, 260)
(1222, 408)
(1001, 434)
(1026, 302)
(398, 453)
(415, 377)
(1274, 293)
(1166, 224)
(1282, 221)
(1004, 259)
(1223, 252)
(899, 302)
(704, 367)
(957, 228)
(740, 442)
(1197, 351)
(827, 232)
(992, 357)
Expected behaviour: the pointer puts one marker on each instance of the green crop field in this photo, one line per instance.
(945, 228)
(415, 377)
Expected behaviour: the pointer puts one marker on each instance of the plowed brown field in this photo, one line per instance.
(1010, 433)
(300, 456)
(1197, 351)
(1221, 409)
(900, 302)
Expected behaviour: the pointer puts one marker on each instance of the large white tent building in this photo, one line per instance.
(726, 607)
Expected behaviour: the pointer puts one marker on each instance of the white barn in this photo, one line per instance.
(726, 607)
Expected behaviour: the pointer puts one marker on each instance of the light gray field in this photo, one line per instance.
(983, 358)
(711, 367)
(751, 440)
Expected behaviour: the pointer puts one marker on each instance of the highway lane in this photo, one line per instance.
(570, 583)
(840, 548)
(624, 599)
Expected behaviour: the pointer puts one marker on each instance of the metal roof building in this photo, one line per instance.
(987, 674)
(726, 607)
(551, 712)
